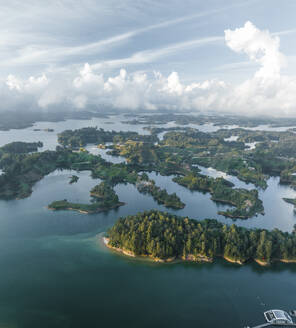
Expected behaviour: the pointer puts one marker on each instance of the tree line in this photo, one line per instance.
(162, 235)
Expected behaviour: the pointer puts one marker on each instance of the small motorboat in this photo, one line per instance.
(278, 317)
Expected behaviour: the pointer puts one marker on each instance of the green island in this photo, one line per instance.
(291, 201)
(19, 147)
(146, 186)
(75, 139)
(82, 208)
(246, 202)
(73, 179)
(15, 119)
(104, 199)
(179, 154)
(216, 120)
(165, 238)
(22, 171)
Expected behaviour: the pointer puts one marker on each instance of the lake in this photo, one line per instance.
(55, 272)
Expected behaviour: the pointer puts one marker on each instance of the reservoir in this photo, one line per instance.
(55, 272)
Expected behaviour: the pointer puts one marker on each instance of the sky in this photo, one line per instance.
(231, 56)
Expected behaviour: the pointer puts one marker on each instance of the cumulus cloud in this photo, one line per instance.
(266, 92)
(32, 85)
(260, 46)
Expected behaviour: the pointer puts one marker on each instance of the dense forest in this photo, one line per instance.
(164, 236)
(22, 171)
(210, 119)
(20, 147)
(179, 153)
(79, 138)
(147, 186)
(246, 202)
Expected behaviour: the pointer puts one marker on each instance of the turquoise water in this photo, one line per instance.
(55, 272)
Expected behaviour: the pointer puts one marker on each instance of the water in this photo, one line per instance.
(49, 139)
(231, 138)
(55, 272)
(93, 149)
(219, 174)
(251, 145)
(114, 122)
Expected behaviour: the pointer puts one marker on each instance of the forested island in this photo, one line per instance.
(20, 147)
(16, 119)
(75, 139)
(147, 186)
(217, 120)
(166, 237)
(246, 202)
(103, 196)
(22, 171)
(178, 154)
(73, 179)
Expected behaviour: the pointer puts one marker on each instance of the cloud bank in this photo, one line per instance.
(267, 92)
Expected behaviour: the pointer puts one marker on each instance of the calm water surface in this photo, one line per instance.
(56, 273)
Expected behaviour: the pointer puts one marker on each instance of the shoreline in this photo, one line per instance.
(190, 257)
(86, 212)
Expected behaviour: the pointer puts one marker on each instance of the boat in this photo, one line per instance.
(292, 313)
(278, 317)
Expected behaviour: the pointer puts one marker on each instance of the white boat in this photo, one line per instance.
(278, 317)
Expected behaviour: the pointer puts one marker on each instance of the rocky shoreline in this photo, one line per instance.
(189, 258)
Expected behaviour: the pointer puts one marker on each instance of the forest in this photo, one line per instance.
(178, 153)
(164, 236)
(246, 202)
(103, 196)
(91, 135)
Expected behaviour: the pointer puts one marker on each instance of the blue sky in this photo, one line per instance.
(46, 44)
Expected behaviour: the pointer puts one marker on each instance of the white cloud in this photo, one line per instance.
(14, 83)
(267, 92)
(260, 46)
(31, 85)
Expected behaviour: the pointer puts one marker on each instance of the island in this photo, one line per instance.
(20, 147)
(291, 201)
(164, 237)
(82, 208)
(103, 196)
(73, 179)
(246, 202)
(181, 152)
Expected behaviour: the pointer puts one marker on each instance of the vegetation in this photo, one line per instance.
(104, 194)
(146, 186)
(250, 172)
(164, 236)
(74, 179)
(19, 147)
(246, 202)
(179, 153)
(215, 120)
(22, 171)
(78, 138)
(291, 201)
(104, 199)
(16, 119)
